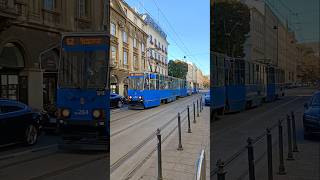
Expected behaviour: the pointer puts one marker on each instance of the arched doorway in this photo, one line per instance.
(12, 86)
(114, 86)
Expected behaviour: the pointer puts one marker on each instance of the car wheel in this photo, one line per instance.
(31, 134)
(120, 104)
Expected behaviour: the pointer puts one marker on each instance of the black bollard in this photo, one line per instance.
(194, 113)
(179, 131)
(189, 126)
(159, 155)
(197, 108)
(290, 153)
(200, 104)
(269, 150)
(221, 174)
(294, 133)
(250, 159)
(282, 170)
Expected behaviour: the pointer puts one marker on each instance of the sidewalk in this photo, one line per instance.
(180, 165)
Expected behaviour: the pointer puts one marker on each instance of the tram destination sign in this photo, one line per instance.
(78, 42)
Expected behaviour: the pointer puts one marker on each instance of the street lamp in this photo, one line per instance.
(277, 29)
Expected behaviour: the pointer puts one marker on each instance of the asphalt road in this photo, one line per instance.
(133, 135)
(229, 134)
(45, 161)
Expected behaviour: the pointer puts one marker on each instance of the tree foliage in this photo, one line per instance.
(178, 69)
(230, 25)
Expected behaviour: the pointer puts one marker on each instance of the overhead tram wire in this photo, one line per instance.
(177, 35)
(184, 49)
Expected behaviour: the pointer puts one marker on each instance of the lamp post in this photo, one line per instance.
(277, 29)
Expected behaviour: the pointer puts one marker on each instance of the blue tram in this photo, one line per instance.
(239, 84)
(82, 94)
(150, 89)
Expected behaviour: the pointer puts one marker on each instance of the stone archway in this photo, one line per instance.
(12, 61)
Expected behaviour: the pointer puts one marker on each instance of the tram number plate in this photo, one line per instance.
(101, 92)
(81, 112)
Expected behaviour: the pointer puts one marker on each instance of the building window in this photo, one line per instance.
(125, 57)
(159, 44)
(49, 4)
(113, 54)
(150, 36)
(124, 37)
(155, 42)
(134, 42)
(142, 47)
(113, 29)
(135, 62)
(83, 8)
(126, 11)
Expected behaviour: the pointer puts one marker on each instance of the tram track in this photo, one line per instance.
(68, 168)
(151, 115)
(143, 143)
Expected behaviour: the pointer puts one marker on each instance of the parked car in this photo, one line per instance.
(311, 116)
(18, 123)
(207, 99)
(116, 100)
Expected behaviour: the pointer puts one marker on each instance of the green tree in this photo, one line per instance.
(230, 25)
(178, 69)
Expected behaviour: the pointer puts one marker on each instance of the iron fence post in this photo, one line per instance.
(269, 150)
(179, 131)
(159, 155)
(251, 159)
(189, 126)
(294, 133)
(197, 108)
(221, 174)
(194, 113)
(282, 170)
(290, 154)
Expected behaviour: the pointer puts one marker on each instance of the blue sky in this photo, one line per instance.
(188, 30)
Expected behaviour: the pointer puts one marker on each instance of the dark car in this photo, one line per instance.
(311, 116)
(18, 123)
(207, 99)
(116, 100)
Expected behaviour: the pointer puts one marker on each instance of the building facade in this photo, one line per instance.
(157, 47)
(30, 34)
(192, 75)
(127, 45)
(271, 40)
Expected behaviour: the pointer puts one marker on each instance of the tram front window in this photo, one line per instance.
(136, 83)
(83, 69)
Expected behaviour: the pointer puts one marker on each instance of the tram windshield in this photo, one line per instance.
(316, 100)
(83, 69)
(136, 82)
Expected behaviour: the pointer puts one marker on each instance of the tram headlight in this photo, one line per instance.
(140, 98)
(96, 114)
(65, 113)
(129, 98)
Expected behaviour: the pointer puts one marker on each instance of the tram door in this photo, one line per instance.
(49, 92)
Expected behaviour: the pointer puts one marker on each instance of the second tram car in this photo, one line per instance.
(150, 89)
(239, 84)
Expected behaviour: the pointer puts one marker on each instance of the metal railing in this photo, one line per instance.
(220, 172)
(201, 166)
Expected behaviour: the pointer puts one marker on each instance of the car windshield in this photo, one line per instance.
(316, 100)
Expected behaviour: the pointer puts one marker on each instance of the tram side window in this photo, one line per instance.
(152, 84)
(146, 83)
